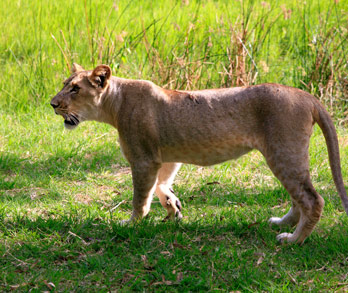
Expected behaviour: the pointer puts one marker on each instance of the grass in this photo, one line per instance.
(60, 225)
(63, 194)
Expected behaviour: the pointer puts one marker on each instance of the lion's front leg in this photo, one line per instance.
(165, 192)
(144, 184)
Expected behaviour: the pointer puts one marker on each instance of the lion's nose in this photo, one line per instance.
(54, 104)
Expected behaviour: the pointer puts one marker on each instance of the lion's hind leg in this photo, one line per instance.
(310, 205)
(165, 192)
(290, 166)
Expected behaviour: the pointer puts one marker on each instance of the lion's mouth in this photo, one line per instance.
(71, 121)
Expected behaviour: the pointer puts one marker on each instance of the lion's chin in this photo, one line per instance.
(70, 125)
(71, 121)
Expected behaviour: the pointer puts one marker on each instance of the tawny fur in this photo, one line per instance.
(159, 129)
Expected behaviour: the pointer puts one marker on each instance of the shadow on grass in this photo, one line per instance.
(78, 233)
(68, 166)
(82, 245)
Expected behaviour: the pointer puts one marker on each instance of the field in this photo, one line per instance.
(63, 193)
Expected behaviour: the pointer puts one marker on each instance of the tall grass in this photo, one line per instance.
(176, 44)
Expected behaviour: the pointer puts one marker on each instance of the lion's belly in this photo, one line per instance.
(204, 155)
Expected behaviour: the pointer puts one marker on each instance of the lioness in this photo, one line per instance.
(159, 129)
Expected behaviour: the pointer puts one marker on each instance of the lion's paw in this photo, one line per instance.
(286, 237)
(178, 216)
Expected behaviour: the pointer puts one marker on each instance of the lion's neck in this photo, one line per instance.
(110, 103)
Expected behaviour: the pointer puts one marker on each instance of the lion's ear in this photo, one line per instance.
(76, 68)
(100, 76)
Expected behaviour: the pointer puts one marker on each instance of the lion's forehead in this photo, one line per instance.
(69, 79)
(74, 78)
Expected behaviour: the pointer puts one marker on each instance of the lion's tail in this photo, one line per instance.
(322, 117)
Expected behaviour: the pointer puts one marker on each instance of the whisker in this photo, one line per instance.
(64, 110)
(82, 117)
(74, 119)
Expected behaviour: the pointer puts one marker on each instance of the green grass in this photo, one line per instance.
(63, 194)
(59, 225)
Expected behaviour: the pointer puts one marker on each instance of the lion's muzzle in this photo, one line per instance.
(71, 120)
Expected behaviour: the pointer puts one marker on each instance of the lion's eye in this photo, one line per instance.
(75, 89)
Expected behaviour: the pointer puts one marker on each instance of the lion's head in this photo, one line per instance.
(77, 100)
